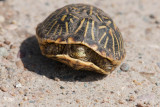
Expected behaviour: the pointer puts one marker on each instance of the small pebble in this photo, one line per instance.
(22, 81)
(158, 64)
(48, 91)
(3, 51)
(7, 42)
(77, 101)
(13, 22)
(152, 16)
(140, 105)
(136, 91)
(156, 22)
(21, 92)
(140, 54)
(56, 79)
(19, 85)
(85, 85)
(10, 69)
(9, 57)
(46, 3)
(61, 87)
(12, 47)
(96, 100)
(4, 89)
(121, 102)
(131, 98)
(112, 92)
(12, 94)
(25, 98)
(2, 19)
(1, 45)
(31, 101)
(157, 84)
(124, 67)
(73, 92)
(136, 82)
(19, 64)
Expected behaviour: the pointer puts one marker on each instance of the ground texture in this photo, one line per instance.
(29, 79)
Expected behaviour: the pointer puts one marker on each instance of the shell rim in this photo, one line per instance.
(115, 62)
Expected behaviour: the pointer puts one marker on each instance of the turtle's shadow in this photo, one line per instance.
(34, 61)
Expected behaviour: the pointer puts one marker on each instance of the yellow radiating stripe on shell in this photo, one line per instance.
(51, 27)
(115, 27)
(75, 8)
(99, 17)
(67, 10)
(105, 17)
(59, 12)
(85, 32)
(56, 29)
(47, 20)
(108, 23)
(93, 30)
(79, 27)
(78, 12)
(106, 42)
(91, 10)
(60, 32)
(63, 17)
(66, 23)
(71, 20)
(101, 27)
(117, 42)
(74, 16)
(111, 33)
(120, 39)
(102, 37)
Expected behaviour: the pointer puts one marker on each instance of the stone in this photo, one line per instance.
(3, 52)
(7, 42)
(124, 67)
(4, 89)
(158, 64)
(19, 85)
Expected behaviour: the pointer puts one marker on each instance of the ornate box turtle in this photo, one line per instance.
(83, 37)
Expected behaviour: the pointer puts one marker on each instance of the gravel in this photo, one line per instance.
(158, 64)
(157, 83)
(7, 42)
(19, 85)
(3, 52)
(61, 87)
(124, 67)
(4, 89)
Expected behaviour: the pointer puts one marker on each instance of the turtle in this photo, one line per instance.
(82, 36)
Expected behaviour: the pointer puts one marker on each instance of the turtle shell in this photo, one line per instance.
(82, 36)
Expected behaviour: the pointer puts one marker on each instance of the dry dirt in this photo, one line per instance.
(28, 79)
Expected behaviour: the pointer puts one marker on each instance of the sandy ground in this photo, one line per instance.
(28, 79)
